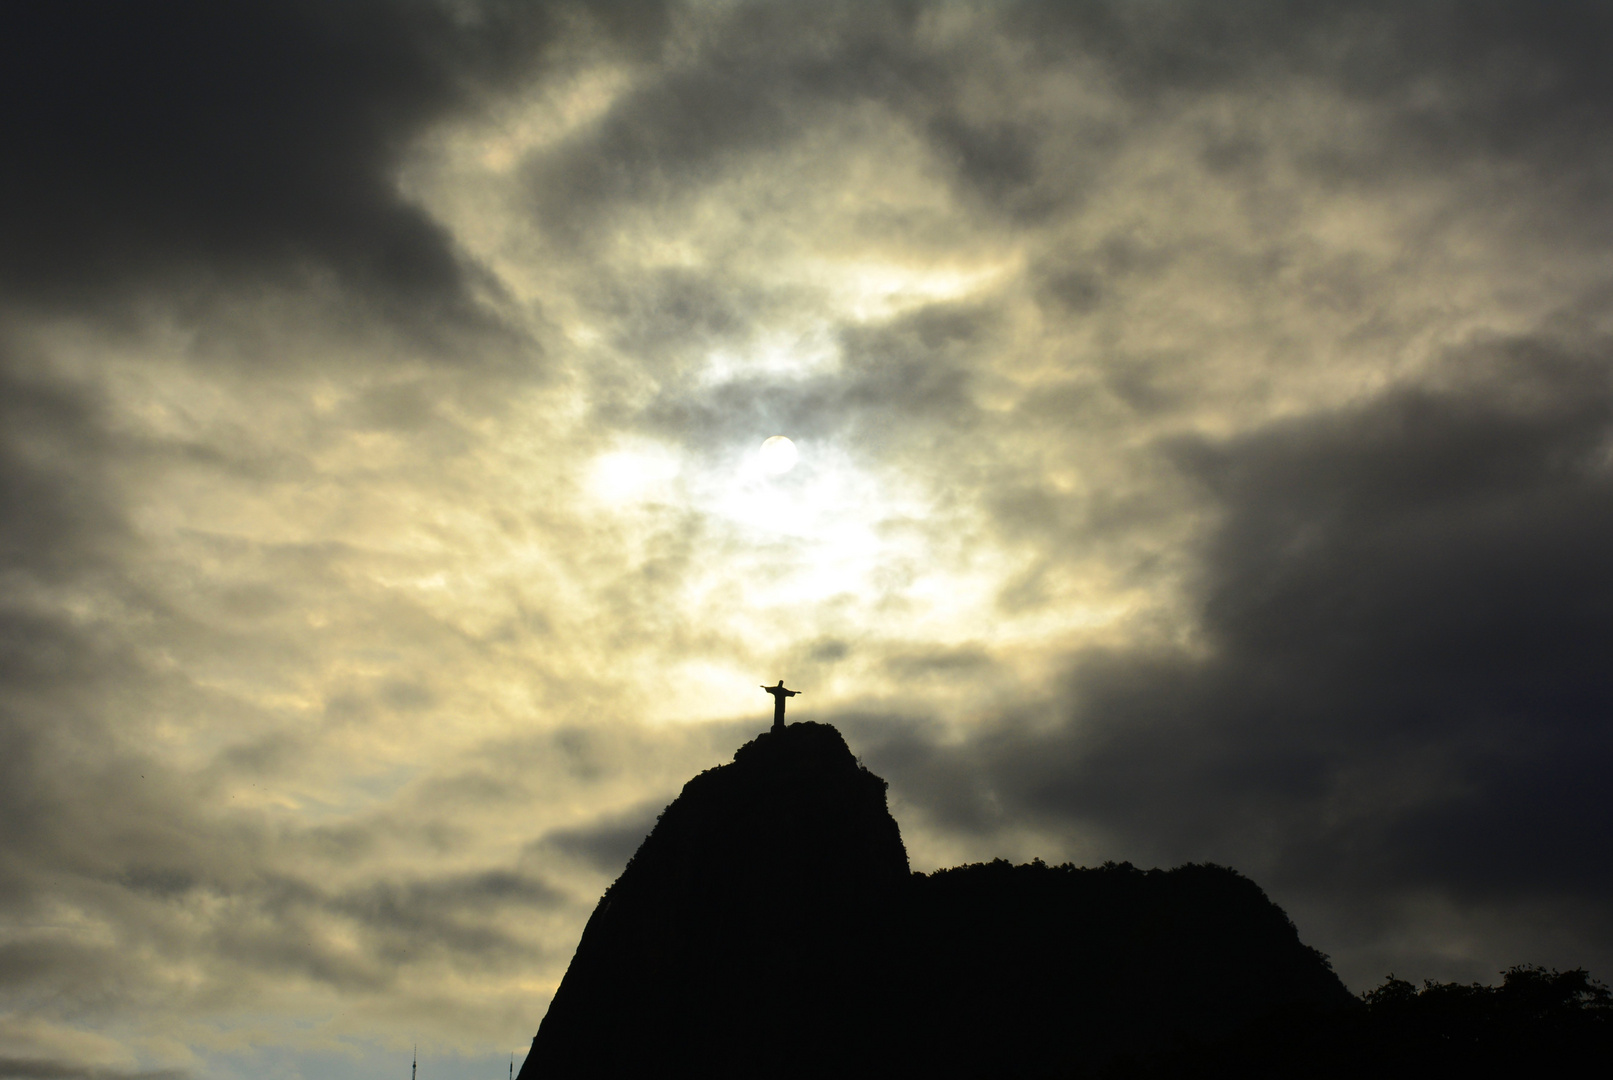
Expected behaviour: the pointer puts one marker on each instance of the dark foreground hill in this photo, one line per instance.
(769, 926)
(750, 931)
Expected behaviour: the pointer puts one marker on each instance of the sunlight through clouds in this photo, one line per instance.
(1202, 415)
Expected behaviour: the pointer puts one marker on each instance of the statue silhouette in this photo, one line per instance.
(779, 694)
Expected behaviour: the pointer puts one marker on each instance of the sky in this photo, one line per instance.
(1205, 430)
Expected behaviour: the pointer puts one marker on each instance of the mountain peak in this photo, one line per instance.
(769, 926)
(793, 808)
(756, 900)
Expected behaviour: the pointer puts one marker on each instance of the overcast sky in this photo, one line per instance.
(1206, 453)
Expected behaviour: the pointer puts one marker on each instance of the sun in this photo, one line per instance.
(779, 455)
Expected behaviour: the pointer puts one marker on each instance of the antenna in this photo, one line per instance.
(416, 1063)
(512, 1067)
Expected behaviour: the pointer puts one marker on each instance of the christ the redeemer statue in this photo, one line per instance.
(779, 694)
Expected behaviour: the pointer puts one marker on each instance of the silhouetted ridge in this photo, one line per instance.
(1059, 969)
(769, 926)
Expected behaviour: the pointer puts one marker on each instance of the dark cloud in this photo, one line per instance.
(179, 141)
(193, 141)
(673, 313)
(904, 386)
(759, 81)
(1407, 615)
(1504, 69)
(1482, 80)
(1444, 534)
(911, 753)
(1448, 84)
(963, 661)
(996, 160)
(765, 79)
(56, 514)
(607, 844)
(1432, 572)
(446, 914)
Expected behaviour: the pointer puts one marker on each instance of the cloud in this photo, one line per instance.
(608, 844)
(39, 1069)
(55, 507)
(751, 83)
(1205, 454)
(188, 141)
(1398, 687)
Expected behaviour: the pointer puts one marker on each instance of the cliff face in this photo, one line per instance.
(769, 926)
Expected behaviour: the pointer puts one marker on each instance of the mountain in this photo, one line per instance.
(739, 938)
(769, 926)
(1043, 970)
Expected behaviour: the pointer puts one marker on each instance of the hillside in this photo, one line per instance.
(769, 926)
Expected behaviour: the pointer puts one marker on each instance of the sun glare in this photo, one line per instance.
(779, 455)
